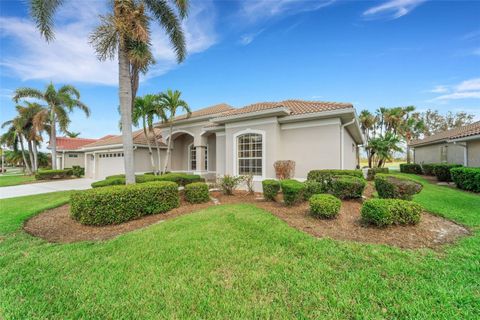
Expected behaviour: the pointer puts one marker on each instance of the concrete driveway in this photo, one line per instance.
(45, 187)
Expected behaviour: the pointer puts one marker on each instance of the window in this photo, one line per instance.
(193, 157)
(250, 154)
(73, 155)
(206, 157)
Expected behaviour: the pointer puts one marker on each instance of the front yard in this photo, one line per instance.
(13, 180)
(236, 261)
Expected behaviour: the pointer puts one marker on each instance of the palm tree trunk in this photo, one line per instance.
(168, 147)
(35, 155)
(125, 97)
(408, 153)
(158, 151)
(152, 160)
(27, 166)
(53, 139)
(30, 155)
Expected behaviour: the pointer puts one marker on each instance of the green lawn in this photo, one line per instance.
(236, 261)
(12, 180)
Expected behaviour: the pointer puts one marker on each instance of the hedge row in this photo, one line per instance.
(466, 178)
(53, 174)
(371, 172)
(392, 187)
(312, 188)
(442, 171)
(347, 187)
(410, 168)
(324, 206)
(117, 204)
(326, 176)
(384, 212)
(182, 179)
(197, 192)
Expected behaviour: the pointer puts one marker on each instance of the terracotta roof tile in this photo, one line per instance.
(465, 131)
(65, 143)
(216, 109)
(138, 138)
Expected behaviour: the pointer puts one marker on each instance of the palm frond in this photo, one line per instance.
(22, 93)
(43, 11)
(104, 38)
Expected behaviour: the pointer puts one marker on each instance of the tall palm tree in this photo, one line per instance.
(71, 134)
(144, 112)
(171, 102)
(125, 32)
(59, 104)
(33, 136)
(14, 137)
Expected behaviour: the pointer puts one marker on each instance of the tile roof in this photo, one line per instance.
(138, 138)
(65, 143)
(296, 107)
(218, 108)
(462, 132)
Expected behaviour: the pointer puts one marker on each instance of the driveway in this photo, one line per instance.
(45, 187)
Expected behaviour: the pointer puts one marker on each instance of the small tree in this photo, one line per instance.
(284, 169)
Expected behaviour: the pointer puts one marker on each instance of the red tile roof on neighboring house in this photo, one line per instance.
(457, 133)
(65, 143)
(138, 138)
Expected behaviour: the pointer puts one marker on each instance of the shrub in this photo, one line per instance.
(427, 168)
(284, 169)
(292, 191)
(327, 174)
(410, 168)
(347, 187)
(181, 179)
(442, 171)
(270, 189)
(53, 174)
(229, 183)
(116, 176)
(466, 178)
(324, 205)
(197, 192)
(389, 186)
(371, 172)
(384, 212)
(78, 171)
(313, 187)
(249, 182)
(108, 182)
(117, 204)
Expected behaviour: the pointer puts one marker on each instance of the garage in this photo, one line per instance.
(109, 163)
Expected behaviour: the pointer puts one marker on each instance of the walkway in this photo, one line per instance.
(45, 187)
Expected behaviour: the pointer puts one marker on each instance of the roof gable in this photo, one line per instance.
(457, 133)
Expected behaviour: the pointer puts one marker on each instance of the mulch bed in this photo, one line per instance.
(55, 225)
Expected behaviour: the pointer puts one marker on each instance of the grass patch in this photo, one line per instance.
(231, 261)
(13, 180)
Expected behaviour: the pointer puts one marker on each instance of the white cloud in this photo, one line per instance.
(439, 89)
(256, 10)
(460, 95)
(469, 85)
(70, 58)
(246, 39)
(468, 89)
(392, 9)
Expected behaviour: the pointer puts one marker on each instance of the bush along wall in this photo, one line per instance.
(270, 189)
(197, 192)
(427, 168)
(348, 187)
(117, 204)
(410, 168)
(384, 212)
(292, 191)
(313, 187)
(324, 206)
(181, 179)
(442, 171)
(371, 172)
(391, 187)
(53, 174)
(466, 178)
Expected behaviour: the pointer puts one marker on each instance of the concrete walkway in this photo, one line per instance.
(45, 187)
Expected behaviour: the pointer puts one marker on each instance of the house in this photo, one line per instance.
(221, 140)
(460, 145)
(68, 151)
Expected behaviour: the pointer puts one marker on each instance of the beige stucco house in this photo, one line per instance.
(460, 145)
(221, 140)
(68, 151)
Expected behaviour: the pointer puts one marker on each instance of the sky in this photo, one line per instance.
(373, 54)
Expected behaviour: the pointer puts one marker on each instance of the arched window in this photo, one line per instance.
(250, 154)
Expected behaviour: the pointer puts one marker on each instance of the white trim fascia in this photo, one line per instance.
(310, 124)
(264, 153)
(220, 134)
(279, 111)
(254, 122)
(311, 116)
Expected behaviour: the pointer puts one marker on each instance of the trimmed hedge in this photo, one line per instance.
(292, 191)
(180, 178)
(391, 187)
(53, 174)
(78, 171)
(324, 206)
(427, 168)
(466, 178)
(348, 187)
(270, 189)
(313, 187)
(384, 212)
(410, 168)
(371, 172)
(117, 204)
(442, 171)
(325, 176)
(197, 192)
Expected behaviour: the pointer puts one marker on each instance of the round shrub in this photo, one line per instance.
(348, 187)
(410, 168)
(391, 187)
(292, 191)
(466, 178)
(117, 204)
(324, 205)
(371, 172)
(313, 187)
(384, 212)
(197, 192)
(270, 189)
(442, 171)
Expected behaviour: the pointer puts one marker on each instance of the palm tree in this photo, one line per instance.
(59, 104)
(14, 137)
(71, 134)
(171, 102)
(144, 111)
(125, 32)
(33, 136)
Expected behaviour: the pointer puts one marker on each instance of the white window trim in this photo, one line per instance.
(264, 154)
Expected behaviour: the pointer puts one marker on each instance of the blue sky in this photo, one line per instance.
(370, 53)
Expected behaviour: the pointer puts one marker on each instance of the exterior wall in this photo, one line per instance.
(220, 154)
(179, 159)
(349, 151)
(473, 153)
(212, 151)
(456, 153)
(142, 159)
(70, 162)
(432, 153)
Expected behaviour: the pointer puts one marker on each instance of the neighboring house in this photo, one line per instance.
(221, 140)
(68, 151)
(460, 145)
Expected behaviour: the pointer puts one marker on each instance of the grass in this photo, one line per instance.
(13, 180)
(234, 261)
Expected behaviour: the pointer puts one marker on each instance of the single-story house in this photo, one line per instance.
(68, 151)
(459, 145)
(221, 140)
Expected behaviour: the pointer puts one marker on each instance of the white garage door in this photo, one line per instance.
(109, 164)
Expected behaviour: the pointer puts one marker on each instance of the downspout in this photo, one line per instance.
(342, 153)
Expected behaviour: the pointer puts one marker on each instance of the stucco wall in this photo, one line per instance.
(432, 153)
(474, 153)
(220, 153)
(70, 162)
(349, 149)
(179, 159)
(212, 146)
(142, 159)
